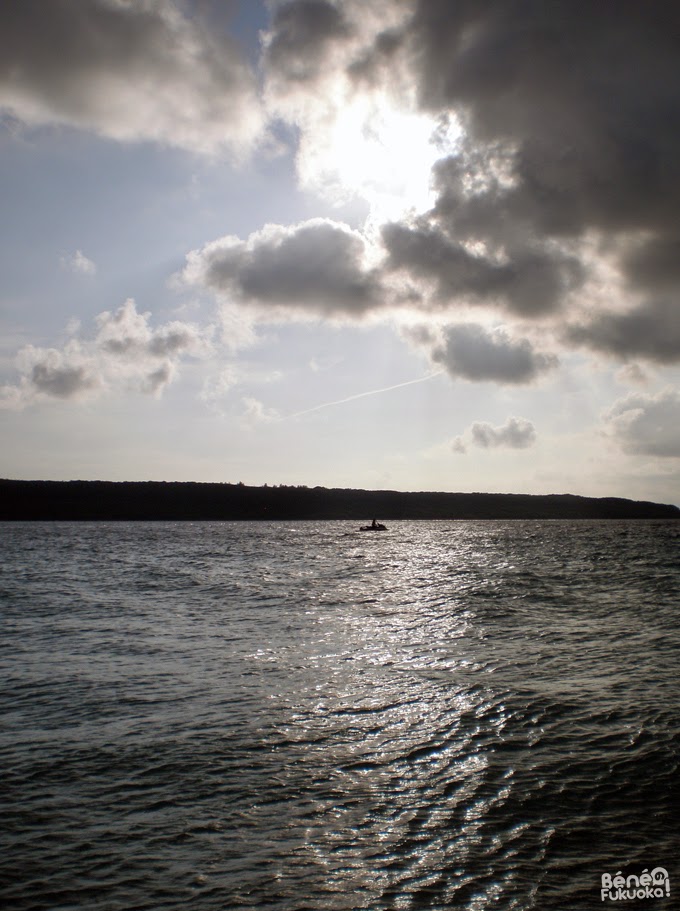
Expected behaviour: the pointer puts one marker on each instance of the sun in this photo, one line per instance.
(380, 152)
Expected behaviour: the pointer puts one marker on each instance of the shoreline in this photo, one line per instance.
(197, 501)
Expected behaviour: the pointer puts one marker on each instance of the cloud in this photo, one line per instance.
(322, 268)
(300, 37)
(567, 140)
(548, 132)
(632, 374)
(654, 264)
(555, 165)
(79, 263)
(155, 380)
(67, 374)
(647, 424)
(315, 268)
(352, 137)
(472, 352)
(130, 70)
(63, 374)
(125, 332)
(126, 353)
(215, 390)
(516, 433)
(554, 126)
(255, 412)
(313, 43)
(650, 330)
(128, 333)
(530, 282)
(569, 150)
(583, 97)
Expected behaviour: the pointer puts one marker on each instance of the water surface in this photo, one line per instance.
(295, 716)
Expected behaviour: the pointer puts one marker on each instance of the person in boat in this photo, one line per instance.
(374, 526)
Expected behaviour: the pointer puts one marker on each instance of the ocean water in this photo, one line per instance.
(217, 716)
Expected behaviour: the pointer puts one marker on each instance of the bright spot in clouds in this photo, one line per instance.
(380, 152)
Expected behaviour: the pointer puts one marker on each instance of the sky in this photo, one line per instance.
(404, 244)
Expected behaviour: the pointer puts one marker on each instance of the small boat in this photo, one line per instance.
(376, 526)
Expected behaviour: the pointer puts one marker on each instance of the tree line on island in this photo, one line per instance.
(180, 500)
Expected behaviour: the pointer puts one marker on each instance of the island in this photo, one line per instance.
(22, 500)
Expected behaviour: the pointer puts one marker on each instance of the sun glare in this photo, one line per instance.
(383, 154)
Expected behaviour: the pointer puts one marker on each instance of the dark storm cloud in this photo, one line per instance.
(570, 139)
(315, 267)
(127, 69)
(474, 353)
(586, 94)
(300, 35)
(532, 282)
(571, 113)
(654, 264)
(650, 331)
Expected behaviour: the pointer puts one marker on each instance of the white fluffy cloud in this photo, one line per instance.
(65, 374)
(647, 424)
(79, 263)
(125, 353)
(516, 433)
(256, 412)
(127, 70)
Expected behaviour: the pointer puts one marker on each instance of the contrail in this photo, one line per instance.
(361, 395)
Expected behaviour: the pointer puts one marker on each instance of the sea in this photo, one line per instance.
(305, 717)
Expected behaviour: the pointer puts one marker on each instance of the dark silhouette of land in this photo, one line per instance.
(160, 500)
